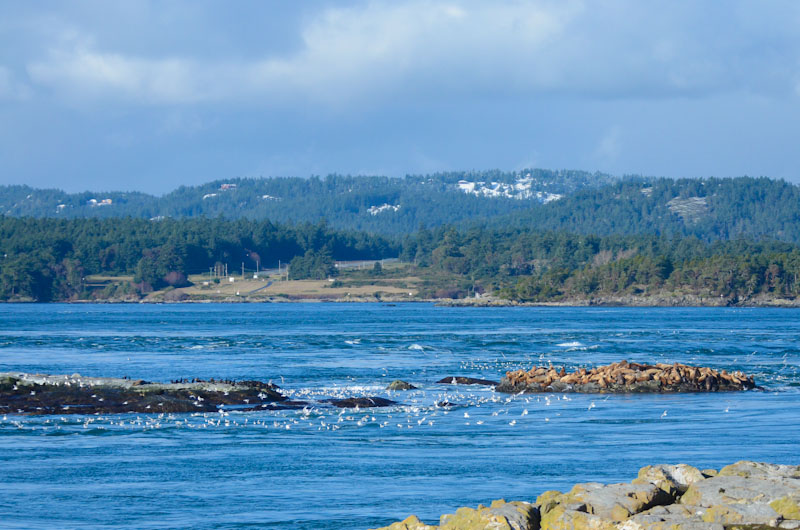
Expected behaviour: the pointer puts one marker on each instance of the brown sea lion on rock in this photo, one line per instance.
(625, 377)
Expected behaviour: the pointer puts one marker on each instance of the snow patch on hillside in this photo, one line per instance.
(375, 210)
(521, 188)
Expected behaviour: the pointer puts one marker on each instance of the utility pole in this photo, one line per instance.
(243, 271)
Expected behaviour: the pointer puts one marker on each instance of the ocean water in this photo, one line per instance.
(333, 469)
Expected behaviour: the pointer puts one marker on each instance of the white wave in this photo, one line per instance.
(582, 348)
(416, 347)
(573, 344)
(352, 342)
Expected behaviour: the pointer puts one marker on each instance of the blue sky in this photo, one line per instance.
(153, 95)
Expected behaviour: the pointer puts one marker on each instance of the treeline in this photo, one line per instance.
(48, 259)
(549, 266)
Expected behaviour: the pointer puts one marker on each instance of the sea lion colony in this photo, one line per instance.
(625, 376)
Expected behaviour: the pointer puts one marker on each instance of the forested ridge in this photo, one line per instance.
(346, 202)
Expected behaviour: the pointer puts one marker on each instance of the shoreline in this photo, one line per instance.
(608, 302)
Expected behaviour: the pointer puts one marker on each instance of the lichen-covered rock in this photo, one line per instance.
(746, 468)
(672, 517)
(749, 493)
(787, 507)
(674, 480)
(743, 496)
(501, 515)
(598, 506)
(409, 523)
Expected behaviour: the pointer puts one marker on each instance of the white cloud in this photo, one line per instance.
(388, 50)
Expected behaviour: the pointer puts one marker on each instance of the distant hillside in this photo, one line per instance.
(710, 209)
(373, 204)
(571, 201)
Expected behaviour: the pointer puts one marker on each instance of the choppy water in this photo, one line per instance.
(326, 468)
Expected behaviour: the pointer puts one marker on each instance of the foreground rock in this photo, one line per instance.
(625, 377)
(501, 515)
(22, 393)
(742, 496)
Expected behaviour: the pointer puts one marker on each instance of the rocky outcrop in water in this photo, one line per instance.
(361, 402)
(460, 380)
(742, 496)
(399, 384)
(22, 393)
(625, 377)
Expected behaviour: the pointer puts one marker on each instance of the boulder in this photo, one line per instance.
(501, 515)
(674, 480)
(400, 385)
(598, 506)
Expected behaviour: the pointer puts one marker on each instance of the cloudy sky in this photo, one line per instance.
(149, 96)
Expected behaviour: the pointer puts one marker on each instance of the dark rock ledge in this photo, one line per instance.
(22, 393)
(625, 377)
(742, 496)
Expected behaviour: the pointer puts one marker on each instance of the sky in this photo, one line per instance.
(150, 96)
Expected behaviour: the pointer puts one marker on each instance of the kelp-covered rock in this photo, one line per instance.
(742, 496)
(361, 402)
(22, 393)
(460, 380)
(625, 377)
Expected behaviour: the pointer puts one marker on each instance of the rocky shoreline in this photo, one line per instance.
(625, 377)
(630, 300)
(742, 496)
(661, 300)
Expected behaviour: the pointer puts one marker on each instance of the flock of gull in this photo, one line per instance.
(452, 410)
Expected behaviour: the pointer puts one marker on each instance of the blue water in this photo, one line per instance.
(326, 468)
